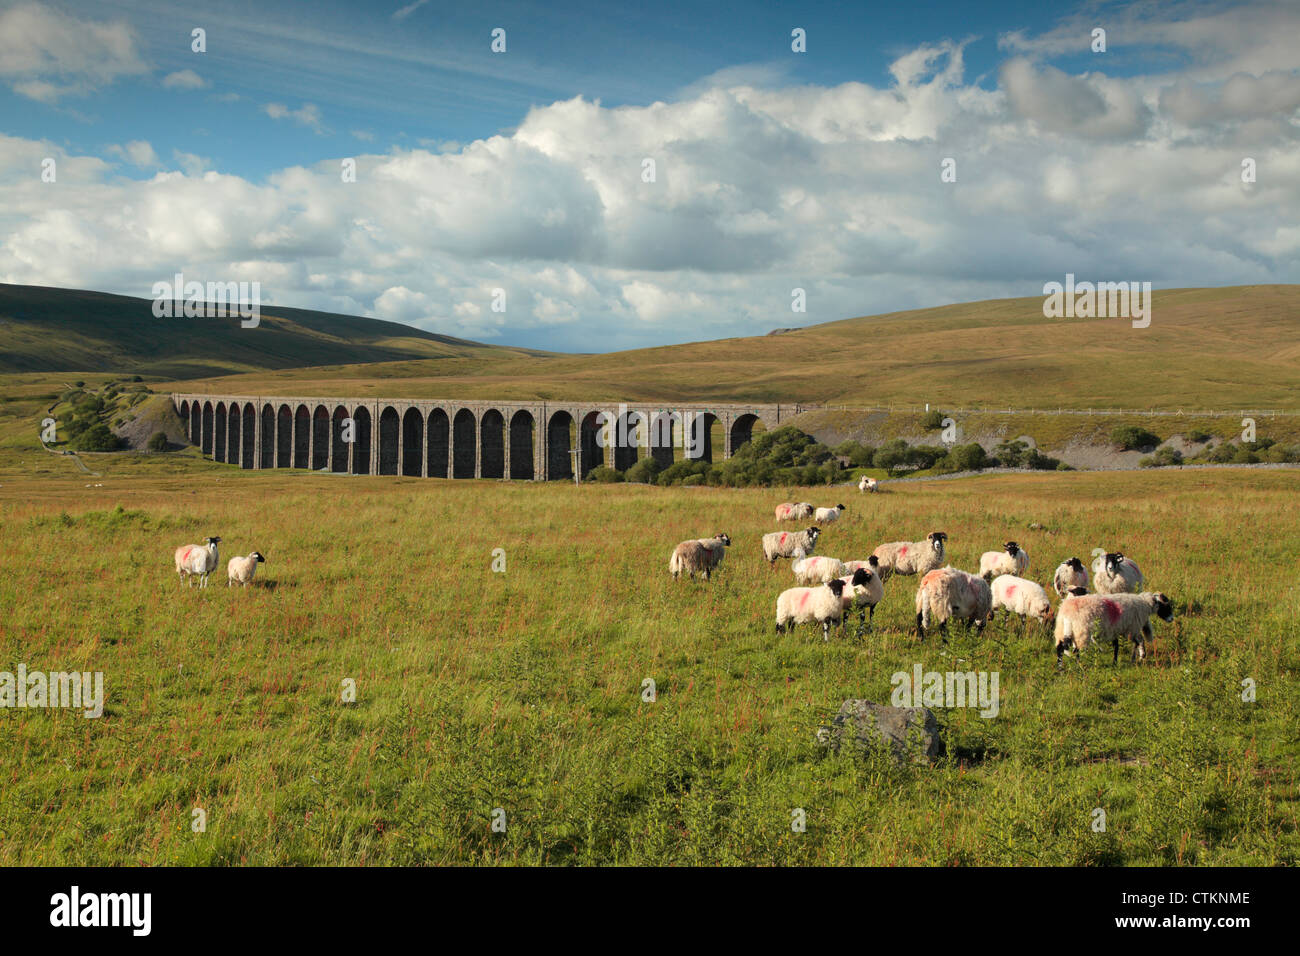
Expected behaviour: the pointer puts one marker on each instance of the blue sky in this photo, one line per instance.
(524, 171)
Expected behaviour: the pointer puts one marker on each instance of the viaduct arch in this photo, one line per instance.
(419, 438)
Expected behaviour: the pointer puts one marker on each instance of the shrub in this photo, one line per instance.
(1134, 438)
(858, 454)
(969, 457)
(1198, 436)
(933, 420)
(136, 378)
(692, 480)
(604, 475)
(158, 441)
(78, 384)
(1163, 458)
(643, 472)
(97, 438)
(1011, 454)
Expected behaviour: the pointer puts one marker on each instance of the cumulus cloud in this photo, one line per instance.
(46, 55)
(307, 115)
(184, 80)
(137, 152)
(696, 218)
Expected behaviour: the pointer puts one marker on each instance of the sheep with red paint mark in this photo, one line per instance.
(241, 570)
(950, 594)
(1012, 559)
(820, 605)
(699, 556)
(1086, 618)
(790, 544)
(794, 511)
(816, 569)
(863, 589)
(1113, 573)
(1071, 574)
(197, 560)
(1021, 597)
(911, 557)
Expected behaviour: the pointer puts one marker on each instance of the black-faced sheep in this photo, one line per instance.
(1012, 559)
(821, 605)
(911, 557)
(1086, 618)
(698, 556)
(949, 594)
(790, 544)
(1071, 574)
(198, 560)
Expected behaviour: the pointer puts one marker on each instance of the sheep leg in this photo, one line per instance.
(920, 627)
(826, 630)
(1115, 656)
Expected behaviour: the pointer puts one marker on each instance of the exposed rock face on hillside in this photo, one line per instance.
(156, 414)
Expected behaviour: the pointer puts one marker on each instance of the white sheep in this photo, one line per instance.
(816, 569)
(1071, 574)
(821, 605)
(949, 594)
(866, 484)
(863, 589)
(827, 515)
(1021, 597)
(1086, 618)
(1012, 559)
(911, 557)
(241, 570)
(790, 544)
(794, 511)
(698, 556)
(1112, 573)
(197, 559)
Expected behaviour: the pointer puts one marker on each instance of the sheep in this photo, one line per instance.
(1012, 559)
(790, 544)
(816, 570)
(1098, 617)
(197, 559)
(1071, 574)
(827, 515)
(1112, 573)
(911, 557)
(797, 511)
(822, 605)
(698, 556)
(863, 588)
(872, 564)
(866, 484)
(948, 594)
(241, 570)
(1021, 597)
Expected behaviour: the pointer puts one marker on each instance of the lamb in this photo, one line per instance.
(790, 544)
(1022, 597)
(911, 557)
(798, 511)
(197, 559)
(1012, 559)
(866, 484)
(1071, 574)
(1112, 573)
(1099, 617)
(827, 515)
(698, 556)
(948, 594)
(816, 570)
(863, 588)
(241, 570)
(822, 605)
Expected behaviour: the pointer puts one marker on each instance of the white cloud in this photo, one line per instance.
(137, 152)
(407, 10)
(307, 115)
(184, 80)
(47, 55)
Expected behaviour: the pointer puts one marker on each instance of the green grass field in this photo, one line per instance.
(522, 690)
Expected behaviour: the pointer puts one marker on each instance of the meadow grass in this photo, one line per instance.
(523, 690)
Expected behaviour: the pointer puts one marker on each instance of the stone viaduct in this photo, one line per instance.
(527, 441)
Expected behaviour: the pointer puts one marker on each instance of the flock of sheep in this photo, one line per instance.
(200, 560)
(829, 588)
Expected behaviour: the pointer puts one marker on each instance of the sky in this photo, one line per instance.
(621, 176)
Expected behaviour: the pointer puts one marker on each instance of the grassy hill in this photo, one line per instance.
(1225, 348)
(68, 330)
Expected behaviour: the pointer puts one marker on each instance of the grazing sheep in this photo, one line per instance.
(1012, 559)
(949, 594)
(816, 570)
(796, 511)
(698, 556)
(1099, 617)
(866, 484)
(1112, 573)
(1071, 574)
(822, 605)
(827, 515)
(911, 557)
(197, 559)
(1021, 597)
(790, 544)
(863, 589)
(241, 570)
(872, 564)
